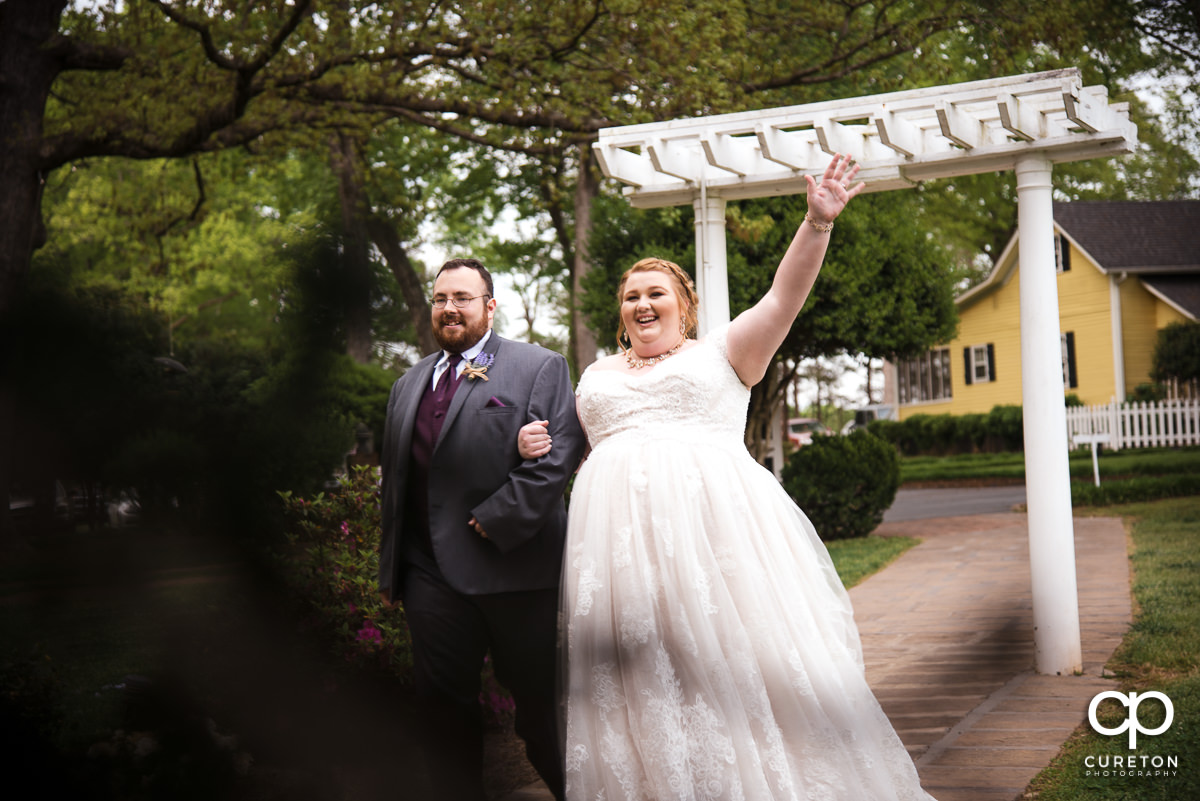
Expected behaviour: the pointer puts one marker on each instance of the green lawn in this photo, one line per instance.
(1128, 476)
(1113, 464)
(972, 465)
(858, 558)
(1161, 652)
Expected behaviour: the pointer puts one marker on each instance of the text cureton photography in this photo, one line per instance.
(1131, 765)
(1136, 765)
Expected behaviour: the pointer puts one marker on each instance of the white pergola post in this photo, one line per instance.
(712, 276)
(1047, 474)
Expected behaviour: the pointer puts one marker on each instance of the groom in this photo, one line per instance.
(472, 535)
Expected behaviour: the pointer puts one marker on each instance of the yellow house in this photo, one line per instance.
(1125, 270)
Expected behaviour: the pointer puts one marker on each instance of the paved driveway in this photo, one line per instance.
(919, 504)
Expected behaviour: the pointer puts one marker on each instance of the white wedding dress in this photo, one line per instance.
(711, 649)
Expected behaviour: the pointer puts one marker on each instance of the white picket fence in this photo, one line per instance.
(1153, 424)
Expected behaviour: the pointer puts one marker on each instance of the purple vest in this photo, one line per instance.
(431, 414)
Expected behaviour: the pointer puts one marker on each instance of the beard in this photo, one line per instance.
(461, 337)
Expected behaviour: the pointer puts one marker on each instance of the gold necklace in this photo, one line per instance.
(638, 363)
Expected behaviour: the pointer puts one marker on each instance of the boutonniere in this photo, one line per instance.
(479, 365)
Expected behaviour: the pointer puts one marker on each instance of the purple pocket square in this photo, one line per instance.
(494, 402)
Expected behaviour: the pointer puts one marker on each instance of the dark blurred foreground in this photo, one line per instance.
(239, 701)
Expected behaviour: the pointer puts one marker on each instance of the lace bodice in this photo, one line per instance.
(694, 395)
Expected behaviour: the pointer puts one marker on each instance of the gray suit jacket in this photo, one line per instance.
(476, 471)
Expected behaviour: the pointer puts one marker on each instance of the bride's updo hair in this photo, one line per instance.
(683, 286)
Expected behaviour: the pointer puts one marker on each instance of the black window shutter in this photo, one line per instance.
(967, 372)
(1072, 380)
(1065, 246)
(991, 362)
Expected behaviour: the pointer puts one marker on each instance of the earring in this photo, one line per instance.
(627, 343)
(682, 328)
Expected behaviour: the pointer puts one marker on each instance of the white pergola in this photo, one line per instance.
(1024, 123)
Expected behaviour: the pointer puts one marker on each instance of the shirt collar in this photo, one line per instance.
(467, 355)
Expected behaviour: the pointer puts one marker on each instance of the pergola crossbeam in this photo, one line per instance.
(898, 133)
(1019, 118)
(900, 138)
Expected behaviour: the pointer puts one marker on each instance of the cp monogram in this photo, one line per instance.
(1131, 701)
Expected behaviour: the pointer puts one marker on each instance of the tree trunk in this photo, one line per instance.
(870, 390)
(765, 397)
(26, 72)
(356, 262)
(583, 340)
(383, 234)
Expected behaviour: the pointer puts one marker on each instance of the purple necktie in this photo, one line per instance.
(448, 377)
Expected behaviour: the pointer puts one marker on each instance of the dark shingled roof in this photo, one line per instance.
(1181, 290)
(1161, 237)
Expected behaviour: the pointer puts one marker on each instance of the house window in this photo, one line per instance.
(1062, 254)
(926, 378)
(979, 364)
(1070, 377)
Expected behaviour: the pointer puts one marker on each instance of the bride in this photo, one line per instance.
(710, 648)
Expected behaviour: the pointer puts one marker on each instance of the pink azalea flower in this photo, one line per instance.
(368, 633)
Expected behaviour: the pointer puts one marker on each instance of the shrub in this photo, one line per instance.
(892, 431)
(332, 565)
(1177, 353)
(1006, 426)
(1000, 430)
(972, 432)
(1147, 393)
(1133, 490)
(844, 484)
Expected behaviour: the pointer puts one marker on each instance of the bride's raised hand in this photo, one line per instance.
(827, 198)
(533, 440)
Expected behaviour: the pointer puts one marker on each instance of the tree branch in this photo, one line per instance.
(825, 72)
(383, 234)
(74, 54)
(194, 215)
(519, 119)
(206, 40)
(299, 12)
(464, 133)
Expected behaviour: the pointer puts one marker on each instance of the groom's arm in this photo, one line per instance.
(520, 508)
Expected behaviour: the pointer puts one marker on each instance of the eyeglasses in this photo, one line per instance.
(459, 301)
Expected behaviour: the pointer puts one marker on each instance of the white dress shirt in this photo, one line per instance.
(467, 355)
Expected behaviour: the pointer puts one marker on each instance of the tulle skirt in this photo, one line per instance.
(711, 651)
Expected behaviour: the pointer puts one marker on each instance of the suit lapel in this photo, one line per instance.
(465, 389)
(422, 374)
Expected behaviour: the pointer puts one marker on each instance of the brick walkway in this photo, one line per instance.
(947, 633)
(948, 637)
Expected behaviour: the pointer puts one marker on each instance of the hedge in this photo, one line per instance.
(1002, 429)
(844, 484)
(1134, 490)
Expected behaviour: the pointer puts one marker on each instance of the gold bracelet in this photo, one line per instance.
(822, 227)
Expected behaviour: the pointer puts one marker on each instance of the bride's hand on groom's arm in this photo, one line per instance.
(533, 440)
(475, 524)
